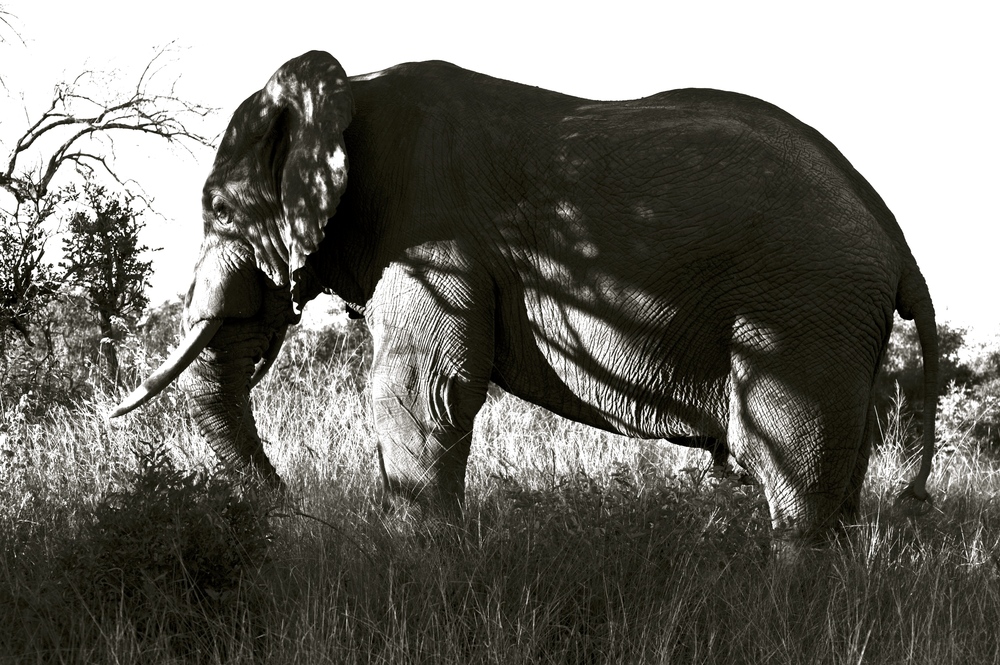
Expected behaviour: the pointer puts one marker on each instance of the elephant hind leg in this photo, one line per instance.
(804, 438)
(852, 505)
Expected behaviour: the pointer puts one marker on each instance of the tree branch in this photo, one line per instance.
(4, 19)
(149, 113)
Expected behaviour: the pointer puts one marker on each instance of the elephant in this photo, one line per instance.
(697, 266)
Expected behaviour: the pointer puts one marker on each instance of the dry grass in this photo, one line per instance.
(578, 547)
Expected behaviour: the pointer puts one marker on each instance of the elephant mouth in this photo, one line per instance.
(270, 355)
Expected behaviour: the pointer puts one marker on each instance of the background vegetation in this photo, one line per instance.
(121, 542)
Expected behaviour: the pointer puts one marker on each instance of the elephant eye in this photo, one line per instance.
(221, 210)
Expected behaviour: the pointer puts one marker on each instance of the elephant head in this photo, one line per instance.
(276, 181)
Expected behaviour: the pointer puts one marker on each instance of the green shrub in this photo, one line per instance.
(903, 366)
(55, 367)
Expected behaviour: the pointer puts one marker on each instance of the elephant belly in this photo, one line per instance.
(635, 373)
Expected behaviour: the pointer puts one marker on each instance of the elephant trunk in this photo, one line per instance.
(228, 287)
(219, 394)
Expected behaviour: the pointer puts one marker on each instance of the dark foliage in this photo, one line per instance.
(344, 345)
(75, 133)
(173, 553)
(27, 281)
(160, 329)
(903, 365)
(167, 546)
(195, 531)
(56, 369)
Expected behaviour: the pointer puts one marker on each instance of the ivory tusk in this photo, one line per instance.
(269, 358)
(196, 340)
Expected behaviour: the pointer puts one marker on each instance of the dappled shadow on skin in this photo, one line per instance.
(688, 307)
(697, 357)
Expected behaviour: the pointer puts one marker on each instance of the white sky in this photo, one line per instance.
(907, 91)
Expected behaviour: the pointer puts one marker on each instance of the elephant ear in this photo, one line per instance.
(314, 91)
(286, 142)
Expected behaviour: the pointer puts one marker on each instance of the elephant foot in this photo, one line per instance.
(423, 507)
(430, 526)
(793, 539)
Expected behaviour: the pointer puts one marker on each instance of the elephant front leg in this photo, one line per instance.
(424, 439)
(429, 380)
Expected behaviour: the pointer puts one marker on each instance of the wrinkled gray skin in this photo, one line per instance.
(696, 265)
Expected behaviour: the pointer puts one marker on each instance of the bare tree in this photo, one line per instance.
(5, 18)
(78, 130)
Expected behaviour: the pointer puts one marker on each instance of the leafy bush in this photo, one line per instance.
(55, 368)
(62, 366)
(968, 386)
(167, 539)
(968, 415)
(160, 328)
(903, 365)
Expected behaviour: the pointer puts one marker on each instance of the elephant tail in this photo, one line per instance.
(913, 301)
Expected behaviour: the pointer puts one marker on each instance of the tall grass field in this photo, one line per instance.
(120, 542)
